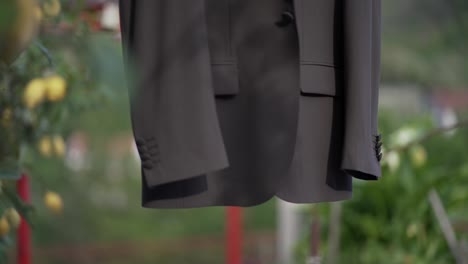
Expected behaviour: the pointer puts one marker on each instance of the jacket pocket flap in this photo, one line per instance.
(320, 79)
(225, 78)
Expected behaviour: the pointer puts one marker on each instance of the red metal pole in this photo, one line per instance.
(24, 232)
(234, 235)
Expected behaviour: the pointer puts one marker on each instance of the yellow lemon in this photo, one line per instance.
(4, 226)
(21, 27)
(53, 201)
(418, 155)
(34, 93)
(412, 230)
(45, 146)
(51, 7)
(13, 217)
(59, 145)
(56, 87)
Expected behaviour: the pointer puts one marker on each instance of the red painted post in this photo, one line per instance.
(24, 232)
(234, 235)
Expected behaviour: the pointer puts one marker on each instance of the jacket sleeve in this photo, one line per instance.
(169, 78)
(362, 32)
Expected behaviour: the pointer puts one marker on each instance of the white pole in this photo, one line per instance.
(288, 230)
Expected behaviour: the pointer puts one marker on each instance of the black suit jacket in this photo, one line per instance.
(236, 101)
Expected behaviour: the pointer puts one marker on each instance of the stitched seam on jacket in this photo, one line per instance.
(338, 67)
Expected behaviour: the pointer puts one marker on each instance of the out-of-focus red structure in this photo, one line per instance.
(24, 231)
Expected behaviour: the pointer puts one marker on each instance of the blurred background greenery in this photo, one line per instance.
(64, 110)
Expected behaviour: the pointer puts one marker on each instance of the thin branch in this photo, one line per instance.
(445, 225)
(429, 135)
(46, 53)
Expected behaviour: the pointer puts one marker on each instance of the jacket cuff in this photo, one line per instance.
(158, 175)
(362, 161)
(157, 171)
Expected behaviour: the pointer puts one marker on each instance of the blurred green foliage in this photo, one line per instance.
(7, 14)
(391, 221)
(42, 91)
(425, 42)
